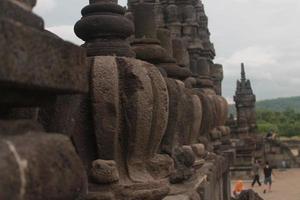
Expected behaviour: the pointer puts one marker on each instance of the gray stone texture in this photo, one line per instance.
(19, 127)
(72, 115)
(104, 27)
(11, 9)
(141, 129)
(104, 171)
(26, 174)
(106, 105)
(130, 111)
(55, 66)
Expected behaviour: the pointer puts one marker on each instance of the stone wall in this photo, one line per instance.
(36, 68)
(136, 111)
(282, 154)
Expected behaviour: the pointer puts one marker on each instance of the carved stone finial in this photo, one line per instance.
(148, 47)
(243, 74)
(104, 28)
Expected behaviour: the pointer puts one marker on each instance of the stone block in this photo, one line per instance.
(39, 166)
(15, 10)
(197, 118)
(164, 36)
(199, 150)
(161, 166)
(18, 127)
(106, 104)
(104, 171)
(35, 60)
(149, 191)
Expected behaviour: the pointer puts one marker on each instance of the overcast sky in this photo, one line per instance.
(264, 34)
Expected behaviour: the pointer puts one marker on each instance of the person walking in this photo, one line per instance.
(255, 171)
(268, 171)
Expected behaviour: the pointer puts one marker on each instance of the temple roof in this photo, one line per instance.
(243, 85)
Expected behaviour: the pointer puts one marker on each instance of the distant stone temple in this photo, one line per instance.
(135, 113)
(245, 138)
(245, 107)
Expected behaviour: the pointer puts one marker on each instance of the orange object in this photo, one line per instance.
(239, 186)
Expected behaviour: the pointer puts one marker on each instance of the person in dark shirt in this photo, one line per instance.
(255, 171)
(268, 171)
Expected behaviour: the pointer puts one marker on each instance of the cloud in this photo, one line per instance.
(122, 2)
(44, 6)
(65, 32)
(264, 34)
(256, 56)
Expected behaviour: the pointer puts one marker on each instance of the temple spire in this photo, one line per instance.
(243, 74)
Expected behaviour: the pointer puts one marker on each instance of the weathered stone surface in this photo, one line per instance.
(104, 171)
(223, 110)
(118, 95)
(185, 116)
(164, 36)
(184, 159)
(137, 99)
(204, 140)
(160, 108)
(20, 113)
(161, 166)
(174, 71)
(216, 71)
(72, 115)
(224, 130)
(170, 140)
(180, 53)
(208, 117)
(183, 197)
(31, 59)
(197, 119)
(215, 134)
(106, 105)
(144, 22)
(149, 191)
(26, 174)
(100, 196)
(149, 50)
(18, 127)
(199, 150)
(11, 9)
(25, 98)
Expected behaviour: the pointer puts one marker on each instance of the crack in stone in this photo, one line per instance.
(22, 164)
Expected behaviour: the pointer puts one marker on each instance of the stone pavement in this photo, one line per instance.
(285, 186)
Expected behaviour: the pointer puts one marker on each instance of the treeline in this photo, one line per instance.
(286, 123)
(276, 105)
(279, 104)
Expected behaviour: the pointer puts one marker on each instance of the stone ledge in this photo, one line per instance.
(39, 166)
(18, 13)
(38, 60)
